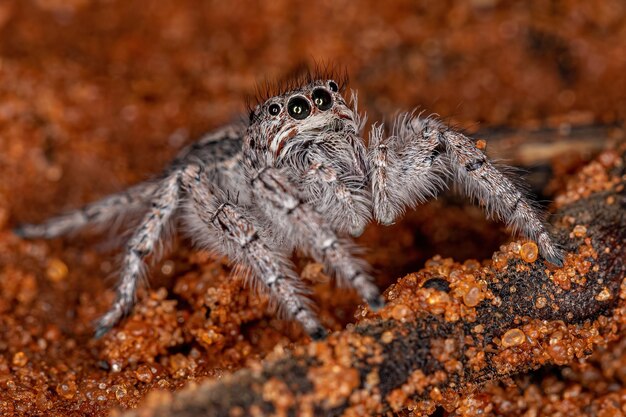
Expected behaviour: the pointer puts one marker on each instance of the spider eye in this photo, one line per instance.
(299, 108)
(322, 99)
(274, 109)
(333, 86)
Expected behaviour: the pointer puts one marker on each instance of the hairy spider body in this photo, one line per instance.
(299, 176)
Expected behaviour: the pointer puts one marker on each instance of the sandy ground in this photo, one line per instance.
(97, 95)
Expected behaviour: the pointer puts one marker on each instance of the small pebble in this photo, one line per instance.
(513, 337)
(66, 389)
(529, 252)
(400, 312)
(120, 392)
(541, 302)
(143, 374)
(603, 295)
(579, 231)
(473, 297)
(499, 260)
(386, 337)
(56, 270)
(20, 359)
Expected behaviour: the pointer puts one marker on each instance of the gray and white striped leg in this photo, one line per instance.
(407, 169)
(141, 244)
(280, 202)
(481, 180)
(232, 233)
(500, 196)
(94, 214)
(344, 199)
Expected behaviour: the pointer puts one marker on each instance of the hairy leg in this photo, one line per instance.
(432, 148)
(279, 201)
(482, 181)
(142, 243)
(408, 168)
(337, 199)
(97, 213)
(232, 232)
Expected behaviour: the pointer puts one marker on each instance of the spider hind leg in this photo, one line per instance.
(100, 213)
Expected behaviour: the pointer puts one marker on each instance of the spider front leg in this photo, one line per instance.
(407, 169)
(429, 147)
(336, 179)
(299, 223)
(232, 232)
(341, 199)
(142, 243)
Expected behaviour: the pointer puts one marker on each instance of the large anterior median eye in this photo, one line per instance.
(322, 99)
(299, 108)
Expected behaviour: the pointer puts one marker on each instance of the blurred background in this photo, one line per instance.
(98, 94)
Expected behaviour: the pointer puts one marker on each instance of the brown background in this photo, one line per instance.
(95, 95)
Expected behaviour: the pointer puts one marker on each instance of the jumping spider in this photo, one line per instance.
(299, 176)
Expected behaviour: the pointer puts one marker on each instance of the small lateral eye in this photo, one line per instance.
(322, 99)
(274, 109)
(299, 108)
(333, 86)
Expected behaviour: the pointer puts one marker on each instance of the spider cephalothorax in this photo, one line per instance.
(314, 135)
(299, 176)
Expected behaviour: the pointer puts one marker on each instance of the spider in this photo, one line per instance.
(298, 175)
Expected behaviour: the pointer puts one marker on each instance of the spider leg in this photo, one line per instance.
(484, 182)
(233, 233)
(341, 199)
(437, 147)
(142, 243)
(97, 213)
(407, 169)
(296, 220)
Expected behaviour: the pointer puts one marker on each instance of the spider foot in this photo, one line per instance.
(319, 333)
(550, 251)
(376, 303)
(108, 321)
(555, 259)
(28, 231)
